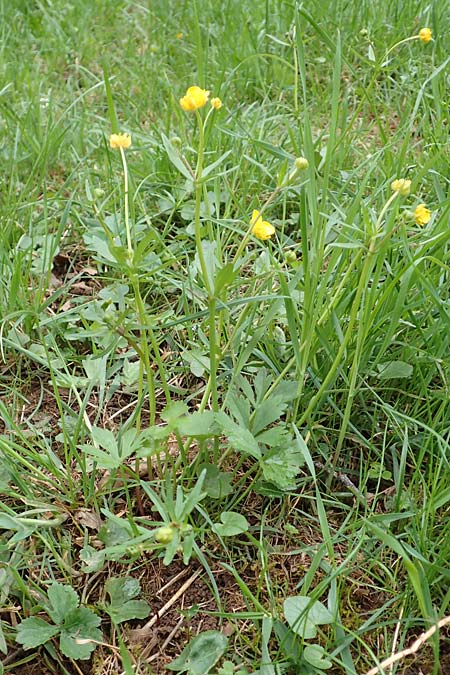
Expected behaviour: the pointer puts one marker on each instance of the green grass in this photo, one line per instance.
(191, 370)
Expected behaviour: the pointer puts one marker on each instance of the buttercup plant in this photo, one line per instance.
(121, 142)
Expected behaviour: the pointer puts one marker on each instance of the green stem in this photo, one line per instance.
(127, 206)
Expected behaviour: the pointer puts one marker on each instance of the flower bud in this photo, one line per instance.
(402, 186)
(301, 163)
(164, 535)
(290, 257)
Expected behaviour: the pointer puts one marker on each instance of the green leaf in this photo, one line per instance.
(201, 654)
(267, 412)
(122, 607)
(175, 158)
(217, 483)
(239, 438)
(281, 465)
(207, 170)
(173, 411)
(3, 645)
(81, 624)
(224, 277)
(394, 369)
(232, 523)
(197, 359)
(63, 600)
(303, 615)
(198, 425)
(313, 654)
(34, 631)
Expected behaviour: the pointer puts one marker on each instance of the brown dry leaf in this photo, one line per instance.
(88, 518)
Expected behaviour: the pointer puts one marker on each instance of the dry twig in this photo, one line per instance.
(416, 645)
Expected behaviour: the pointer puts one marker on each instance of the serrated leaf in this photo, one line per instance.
(281, 465)
(81, 624)
(267, 412)
(303, 615)
(201, 654)
(34, 631)
(122, 607)
(174, 410)
(105, 439)
(239, 438)
(232, 524)
(198, 425)
(62, 601)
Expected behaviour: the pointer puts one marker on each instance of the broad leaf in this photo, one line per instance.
(82, 624)
(232, 524)
(303, 615)
(34, 631)
(197, 425)
(122, 607)
(313, 654)
(62, 601)
(217, 483)
(201, 654)
(394, 369)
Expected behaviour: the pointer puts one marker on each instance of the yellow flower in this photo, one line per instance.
(216, 103)
(261, 228)
(179, 36)
(425, 35)
(422, 215)
(120, 141)
(402, 186)
(195, 98)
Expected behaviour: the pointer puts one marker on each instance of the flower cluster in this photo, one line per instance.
(194, 99)
(402, 186)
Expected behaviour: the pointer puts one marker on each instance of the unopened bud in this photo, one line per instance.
(301, 163)
(164, 535)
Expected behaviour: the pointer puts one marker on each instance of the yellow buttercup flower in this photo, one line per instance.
(179, 36)
(194, 99)
(425, 35)
(120, 141)
(261, 228)
(402, 186)
(216, 103)
(422, 215)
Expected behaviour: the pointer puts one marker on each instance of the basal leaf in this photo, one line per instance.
(201, 654)
(232, 524)
(62, 601)
(34, 631)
